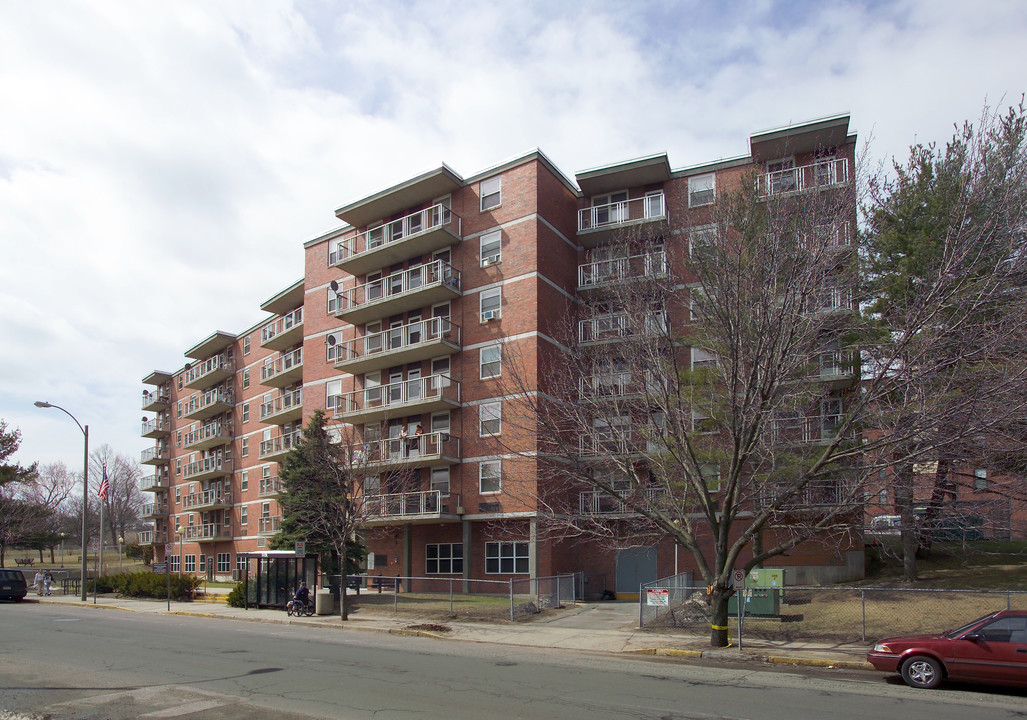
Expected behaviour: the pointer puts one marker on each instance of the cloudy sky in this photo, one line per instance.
(161, 163)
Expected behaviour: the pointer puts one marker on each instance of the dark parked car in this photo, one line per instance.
(12, 585)
(991, 649)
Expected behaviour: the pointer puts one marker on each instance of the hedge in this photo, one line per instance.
(146, 584)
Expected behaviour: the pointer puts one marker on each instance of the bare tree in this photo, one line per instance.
(124, 500)
(18, 516)
(50, 491)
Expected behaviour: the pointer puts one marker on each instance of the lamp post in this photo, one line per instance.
(181, 551)
(63, 535)
(121, 558)
(85, 486)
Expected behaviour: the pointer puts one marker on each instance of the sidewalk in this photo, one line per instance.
(592, 627)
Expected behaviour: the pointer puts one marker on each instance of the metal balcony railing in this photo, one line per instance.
(405, 228)
(399, 395)
(620, 326)
(406, 282)
(289, 401)
(221, 364)
(154, 455)
(206, 499)
(397, 339)
(151, 510)
(648, 208)
(269, 525)
(155, 427)
(805, 429)
(289, 361)
(207, 531)
(820, 174)
(155, 400)
(409, 504)
(281, 325)
(277, 445)
(416, 448)
(610, 272)
(270, 487)
(152, 537)
(212, 464)
(217, 396)
(211, 431)
(600, 502)
(151, 483)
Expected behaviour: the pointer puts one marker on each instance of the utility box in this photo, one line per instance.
(762, 594)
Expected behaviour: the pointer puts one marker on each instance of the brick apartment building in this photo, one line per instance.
(401, 326)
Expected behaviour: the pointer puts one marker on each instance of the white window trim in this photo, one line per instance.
(713, 188)
(494, 410)
(482, 363)
(489, 188)
(499, 476)
(499, 545)
(495, 256)
(493, 313)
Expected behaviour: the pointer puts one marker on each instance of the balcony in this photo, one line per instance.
(284, 371)
(617, 327)
(275, 449)
(208, 532)
(208, 404)
(154, 456)
(406, 397)
(417, 234)
(828, 493)
(835, 299)
(152, 537)
(600, 502)
(283, 409)
(156, 400)
(423, 506)
(156, 428)
(600, 223)
(158, 482)
(609, 386)
(593, 447)
(207, 500)
(815, 176)
(151, 511)
(411, 452)
(284, 332)
(798, 430)
(208, 436)
(269, 525)
(610, 273)
(416, 287)
(208, 467)
(209, 372)
(420, 340)
(270, 487)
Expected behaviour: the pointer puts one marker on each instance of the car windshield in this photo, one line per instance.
(960, 630)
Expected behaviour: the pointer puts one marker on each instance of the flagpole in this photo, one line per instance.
(99, 571)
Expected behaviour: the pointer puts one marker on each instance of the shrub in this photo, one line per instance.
(237, 598)
(146, 584)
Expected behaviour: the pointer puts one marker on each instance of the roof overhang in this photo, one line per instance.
(805, 137)
(157, 377)
(408, 194)
(285, 301)
(210, 346)
(633, 173)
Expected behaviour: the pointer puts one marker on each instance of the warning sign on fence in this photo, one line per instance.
(660, 598)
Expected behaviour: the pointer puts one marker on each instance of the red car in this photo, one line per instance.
(991, 649)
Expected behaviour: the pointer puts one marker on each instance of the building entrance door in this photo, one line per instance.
(634, 567)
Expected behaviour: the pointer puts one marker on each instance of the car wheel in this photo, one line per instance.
(921, 671)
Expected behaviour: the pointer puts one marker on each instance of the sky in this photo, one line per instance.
(162, 163)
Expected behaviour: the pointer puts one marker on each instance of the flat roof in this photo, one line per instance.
(285, 300)
(648, 170)
(407, 194)
(210, 345)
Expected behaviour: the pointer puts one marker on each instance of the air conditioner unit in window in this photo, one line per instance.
(486, 262)
(489, 315)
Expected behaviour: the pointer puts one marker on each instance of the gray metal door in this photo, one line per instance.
(634, 567)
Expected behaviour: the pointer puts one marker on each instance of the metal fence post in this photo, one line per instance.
(863, 602)
(451, 596)
(559, 598)
(395, 596)
(640, 626)
(511, 601)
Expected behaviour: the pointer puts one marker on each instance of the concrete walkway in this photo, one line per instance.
(592, 627)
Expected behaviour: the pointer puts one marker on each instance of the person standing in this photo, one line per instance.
(37, 582)
(47, 582)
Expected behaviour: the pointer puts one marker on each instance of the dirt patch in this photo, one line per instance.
(430, 627)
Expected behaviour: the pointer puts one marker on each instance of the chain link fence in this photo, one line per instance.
(448, 598)
(827, 614)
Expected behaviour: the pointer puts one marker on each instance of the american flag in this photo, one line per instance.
(105, 486)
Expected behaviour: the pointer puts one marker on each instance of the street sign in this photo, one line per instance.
(160, 567)
(658, 597)
(169, 548)
(738, 580)
(301, 547)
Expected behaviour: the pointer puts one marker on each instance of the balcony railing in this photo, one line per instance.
(604, 273)
(835, 298)
(284, 370)
(207, 499)
(212, 370)
(609, 385)
(403, 505)
(284, 408)
(207, 532)
(616, 444)
(154, 456)
(282, 332)
(270, 487)
(829, 493)
(803, 430)
(414, 450)
(402, 291)
(416, 234)
(156, 400)
(155, 428)
(620, 326)
(212, 466)
(154, 510)
(215, 433)
(269, 525)
(600, 502)
(278, 445)
(400, 345)
(821, 174)
(434, 392)
(152, 537)
(154, 483)
(208, 404)
(626, 212)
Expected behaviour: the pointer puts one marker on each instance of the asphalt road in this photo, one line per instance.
(76, 662)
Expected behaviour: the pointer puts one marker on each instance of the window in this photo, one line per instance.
(701, 240)
(243, 514)
(240, 565)
(830, 417)
(246, 345)
(491, 248)
(190, 563)
(781, 175)
(440, 423)
(701, 190)
(372, 485)
(711, 474)
(245, 378)
(490, 362)
(702, 358)
(490, 303)
(490, 477)
(178, 468)
(440, 480)
(491, 192)
(245, 412)
(444, 559)
(203, 563)
(653, 204)
(506, 558)
(696, 303)
(244, 447)
(178, 439)
(174, 564)
(612, 208)
(178, 493)
(333, 301)
(179, 408)
(333, 394)
(980, 479)
(490, 418)
(224, 562)
(244, 481)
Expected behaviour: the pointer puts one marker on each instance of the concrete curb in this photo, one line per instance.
(817, 662)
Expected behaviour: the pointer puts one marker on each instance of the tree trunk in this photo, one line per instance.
(343, 583)
(907, 522)
(51, 555)
(944, 488)
(718, 612)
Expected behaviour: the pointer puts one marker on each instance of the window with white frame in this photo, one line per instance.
(246, 378)
(491, 192)
(490, 418)
(702, 190)
(333, 301)
(701, 358)
(174, 563)
(491, 248)
(372, 485)
(334, 433)
(697, 302)
(246, 345)
(245, 412)
(244, 481)
(190, 563)
(333, 394)
(981, 479)
(701, 240)
(490, 304)
(490, 362)
(240, 565)
(506, 558)
(440, 480)
(711, 475)
(244, 447)
(490, 477)
(203, 563)
(224, 562)
(443, 559)
(244, 513)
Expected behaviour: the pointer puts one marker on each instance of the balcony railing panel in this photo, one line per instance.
(152, 537)
(285, 370)
(154, 456)
(269, 525)
(400, 345)
(803, 430)
(434, 392)
(600, 502)
(208, 404)
(156, 428)
(402, 291)
(414, 450)
(283, 332)
(414, 235)
(210, 371)
(605, 273)
(270, 487)
(825, 493)
(626, 212)
(403, 505)
(153, 483)
(213, 466)
(207, 499)
(620, 326)
(210, 435)
(156, 400)
(282, 409)
(277, 446)
(154, 510)
(207, 532)
(818, 175)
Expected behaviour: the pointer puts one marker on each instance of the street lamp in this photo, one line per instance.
(85, 486)
(121, 558)
(181, 551)
(63, 535)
